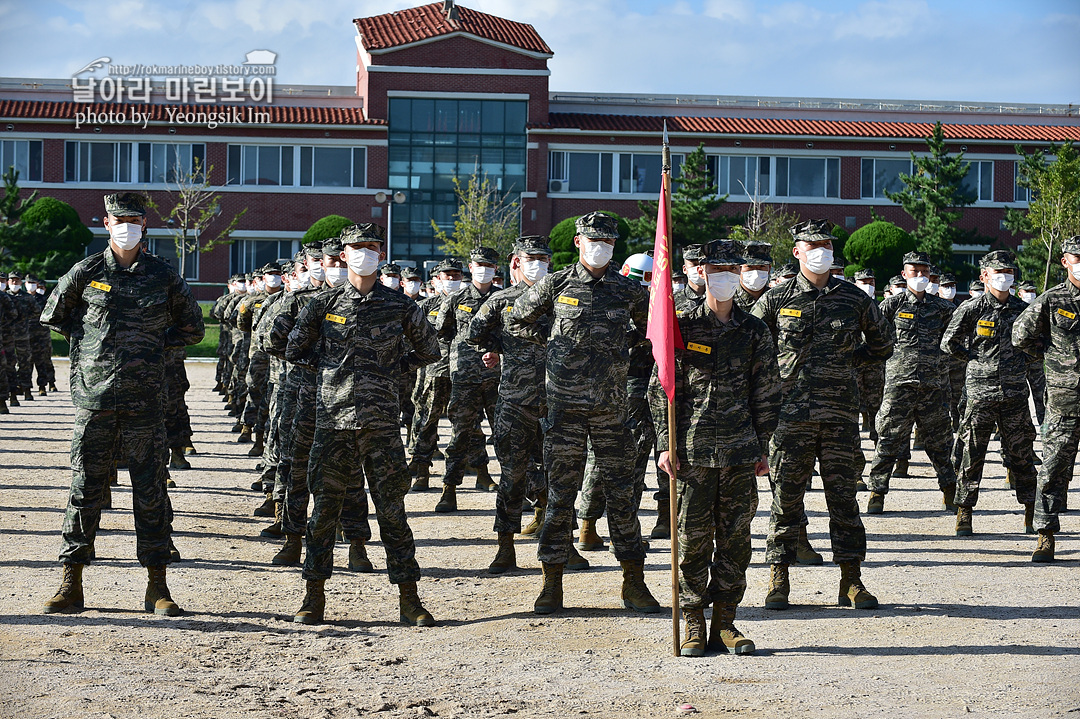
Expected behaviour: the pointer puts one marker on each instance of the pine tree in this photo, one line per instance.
(933, 196)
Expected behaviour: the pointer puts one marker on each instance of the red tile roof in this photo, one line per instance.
(279, 114)
(808, 128)
(383, 32)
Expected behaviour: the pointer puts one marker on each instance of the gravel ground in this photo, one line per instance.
(966, 625)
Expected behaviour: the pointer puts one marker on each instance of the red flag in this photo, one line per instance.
(663, 329)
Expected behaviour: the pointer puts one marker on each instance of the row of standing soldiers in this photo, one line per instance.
(25, 345)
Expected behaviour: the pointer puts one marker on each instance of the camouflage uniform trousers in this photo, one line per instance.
(957, 372)
(1060, 436)
(871, 381)
(4, 389)
(257, 379)
(239, 361)
(792, 452)
(469, 404)
(354, 514)
(431, 400)
(224, 346)
(24, 361)
(566, 434)
(905, 406)
(1037, 384)
(41, 348)
(1013, 419)
(408, 408)
(340, 459)
(639, 421)
(177, 419)
(716, 506)
(10, 366)
(518, 442)
(286, 398)
(93, 462)
(270, 455)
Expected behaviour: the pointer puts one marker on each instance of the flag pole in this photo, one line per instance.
(673, 503)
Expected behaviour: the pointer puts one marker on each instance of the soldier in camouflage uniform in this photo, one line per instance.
(957, 367)
(9, 315)
(258, 368)
(785, 273)
(410, 285)
(825, 329)
(871, 376)
(727, 401)
(390, 276)
(177, 419)
(1036, 374)
(239, 352)
(24, 352)
(996, 389)
(474, 387)
(40, 339)
(917, 382)
(361, 336)
(221, 374)
(1049, 330)
(120, 309)
(754, 275)
(597, 315)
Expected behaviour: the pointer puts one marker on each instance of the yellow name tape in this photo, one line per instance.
(905, 315)
(433, 313)
(508, 308)
(101, 286)
(258, 305)
(1063, 313)
(335, 318)
(985, 323)
(984, 332)
(695, 347)
(464, 308)
(572, 301)
(790, 313)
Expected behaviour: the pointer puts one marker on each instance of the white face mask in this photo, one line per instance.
(818, 259)
(947, 293)
(677, 287)
(976, 293)
(391, 282)
(1001, 282)
(933, 288)
(722, 285)
(31, 287)
(126, 235)
(412, 287)
(867, 288)
(250, 288)
(596, 253)
(534, 270)
(317, 272)
(14, 288)
(259, 285)
(1074, 270)
(1027, 296)
(482, 275)
(3, 286)
(41, 290)
(918, 284)
(449, 287)
(272, 282)
(362, 261)
(336, 276)
(303, 279)
(754, 280)
(694, 276)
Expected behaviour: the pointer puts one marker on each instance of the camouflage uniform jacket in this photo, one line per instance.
(1049, 329)
(119, 322)
(521, 361)
(727, 390)
(28, 312)
(245, 311)
(260, 331)
(232, 309)
(744, 299)
(686, 299)
(822, 336)
(362, 345)
(981, 332)
(452, 325)
(918, 326)
(592, 330)
(430, 309)
(219, 305)
(284, 319)
(9, 315)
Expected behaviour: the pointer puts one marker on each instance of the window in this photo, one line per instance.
(249, 255)
(24, 156)
(97, 161)
(1020, 194)
(261, 165)
(978, 184)
(333, 167)
(624, 173)
(165, 248)
(159, 163)
(808, 177)
(741, 175)
(881, 176)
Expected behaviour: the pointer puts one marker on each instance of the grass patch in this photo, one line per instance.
(206, 348)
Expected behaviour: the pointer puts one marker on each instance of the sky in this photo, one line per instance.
(994, 51)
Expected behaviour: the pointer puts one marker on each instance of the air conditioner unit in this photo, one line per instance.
(557, 186)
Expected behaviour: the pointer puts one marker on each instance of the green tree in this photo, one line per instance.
(694, 208)
(564, 253)
(879, 246)
(40, 235)
(325, 228)
(1053, 213)
(486, 217)
(769, 223)
(934, 197)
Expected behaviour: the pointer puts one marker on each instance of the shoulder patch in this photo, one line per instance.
(1063, 313)
(101, 286)
(572, 301)
(986, 323)
(335, 318)
(790, 313)
(695, 347)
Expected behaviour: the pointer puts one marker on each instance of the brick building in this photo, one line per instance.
(442, 90)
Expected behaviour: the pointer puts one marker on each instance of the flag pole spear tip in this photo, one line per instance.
(666, 154)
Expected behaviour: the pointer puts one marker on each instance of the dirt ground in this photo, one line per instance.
(966, 625)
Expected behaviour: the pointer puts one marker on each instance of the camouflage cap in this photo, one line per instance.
(693, 253)
(410, 273)
(532, 245)
(15, 274)
(898, 280)
(484, 254)
(1071, 245)
(755, 252)
(976, 285)
(838, 262)
(314, 249)
(677, 275)
(948, 279)
(1027, 285)
(3, 275)
(789, 270)
(363, 232)
(999, 260)
(811, 231)
(597, 226)
(917, 258)
(450, 263)
(270, 268)
(299, 256)
(866, 274)
(332, 247)
(935, 271)
(390, 268)
(287, 267)
(723, 252)
(126, 204)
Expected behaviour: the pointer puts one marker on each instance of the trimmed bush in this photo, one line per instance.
(879, 246)
(562, 241)
(327, 227)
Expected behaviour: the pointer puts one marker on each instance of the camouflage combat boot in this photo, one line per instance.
(245, 434)
(313, 607)
(257, 448)
(158, 599)
(190, 451)
(3, 406)
(169, 482)
(1044, 550)
(1029, 518)
(505, 559)
(901, 470)
(289, 555)
(779, 587)
(575, 562)
(448, 500)
(266, 509)
(588, 539)
(41, 391)
(275, 531)
(358, 559)
(423, 477)
(13, 399)
(804, 553)
(219, 388)
(174, 553)
(178, 460)
(876, 505)
(860, 486)
(237, 427)
(551, 596)
(693, 643)
(52, 387)
(725, 635)
(537, 521)
(852, 590)
(28, 395)
(69, 597)
(412, 611)
(963, 522)
(483, 479)
(948, 498)
(635, 593)
(662, 530)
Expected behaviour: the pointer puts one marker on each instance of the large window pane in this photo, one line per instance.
(832, 177)
(516, 117)
(806, 178)
(584, 172)
(494, 117)
(646, 173)
(359, 167)
(423, 115)
(400, 113)
(986, 181)
(867, 178)
(333, 167)
(234, 165)
(446, 116)
(887, 176)
(269, 165)
(102, 161)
